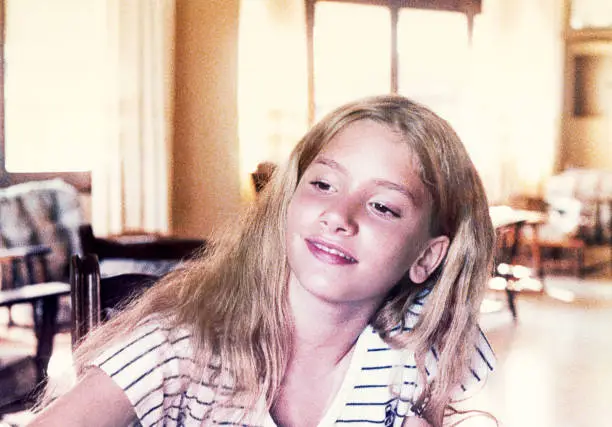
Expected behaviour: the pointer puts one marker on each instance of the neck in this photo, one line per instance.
(327, 329)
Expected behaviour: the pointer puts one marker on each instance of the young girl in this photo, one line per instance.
(348, 294)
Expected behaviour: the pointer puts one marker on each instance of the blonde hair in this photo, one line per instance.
(234, 296)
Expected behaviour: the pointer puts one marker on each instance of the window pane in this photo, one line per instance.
(591, 14)
(53, 89)
(352, 50)
(433, 56)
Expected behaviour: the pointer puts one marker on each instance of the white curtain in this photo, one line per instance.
(272, 82)
(130, 179)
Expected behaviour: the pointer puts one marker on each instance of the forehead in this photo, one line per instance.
(369, 150)
(377, 139)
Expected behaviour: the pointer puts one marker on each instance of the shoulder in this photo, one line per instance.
(406, 381)
(151, 338)
(151, 365)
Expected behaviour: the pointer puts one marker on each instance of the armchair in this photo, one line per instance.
(580, 216)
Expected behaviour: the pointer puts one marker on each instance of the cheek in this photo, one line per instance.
(296, 213)
(301, 208)
(401, 248)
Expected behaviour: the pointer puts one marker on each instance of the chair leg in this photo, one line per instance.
(581, 268)
(511, 295)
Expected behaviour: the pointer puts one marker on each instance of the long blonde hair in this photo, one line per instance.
(234, 296)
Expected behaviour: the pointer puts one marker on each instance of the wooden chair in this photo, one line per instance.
(23, 373)
(94, 299)
(138, 247)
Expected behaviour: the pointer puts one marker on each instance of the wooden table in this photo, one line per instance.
(505, 216)
(44, 297)
(509, 224)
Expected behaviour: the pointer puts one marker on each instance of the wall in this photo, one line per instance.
(205, 186)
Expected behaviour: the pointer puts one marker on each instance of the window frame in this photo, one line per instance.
(469, 7)
(80, 180)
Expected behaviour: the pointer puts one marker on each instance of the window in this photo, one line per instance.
(359, 48)
(52, 101)
(590, 14)
(291, 74)
(351, 60)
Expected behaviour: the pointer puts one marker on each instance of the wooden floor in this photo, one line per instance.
(554, 364)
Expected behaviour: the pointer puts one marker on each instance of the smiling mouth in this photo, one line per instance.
(329, 254)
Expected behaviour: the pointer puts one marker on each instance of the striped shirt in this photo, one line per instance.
(155, 368)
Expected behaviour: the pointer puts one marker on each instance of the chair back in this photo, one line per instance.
(507, 244)
(96, 299)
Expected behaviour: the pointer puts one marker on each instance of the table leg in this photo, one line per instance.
(45, 329)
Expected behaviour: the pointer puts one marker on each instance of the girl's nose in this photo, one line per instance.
(340, 217)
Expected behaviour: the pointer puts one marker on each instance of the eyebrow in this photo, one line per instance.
(378, 182)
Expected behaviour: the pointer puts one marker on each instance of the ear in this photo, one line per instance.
(429, 259)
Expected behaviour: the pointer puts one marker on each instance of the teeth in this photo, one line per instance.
(333, 251)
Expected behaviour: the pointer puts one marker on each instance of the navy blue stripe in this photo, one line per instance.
(149, 351)
(435, 354)
(128, 345)
(139, 401)
(482, 356)
(362, 386)
(198, 401)
(150, 411)
(370, 403)
(382, 367)
(374, 368)
(140, 356)
(486, 340)
(475, 374)
(159, 365)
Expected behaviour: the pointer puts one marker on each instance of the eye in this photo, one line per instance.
(384, 210)
(321, 186)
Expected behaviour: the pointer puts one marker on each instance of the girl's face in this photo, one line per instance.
(358, 220)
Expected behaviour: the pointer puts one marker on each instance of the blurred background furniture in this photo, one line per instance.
(94, 299)
(262, 175)
(45, 214)
(507, 241)
(138, 253)
(22, 374)
(41, 226)
(579, 207)
(510, 225)
(25, 265)
(559, 245)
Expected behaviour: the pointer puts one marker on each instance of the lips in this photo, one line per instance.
(328, 253)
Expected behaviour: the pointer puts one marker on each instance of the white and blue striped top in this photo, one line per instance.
(155, 368)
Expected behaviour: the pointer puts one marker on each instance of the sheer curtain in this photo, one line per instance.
(513, 95)
(130, 178)
(272, 82)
